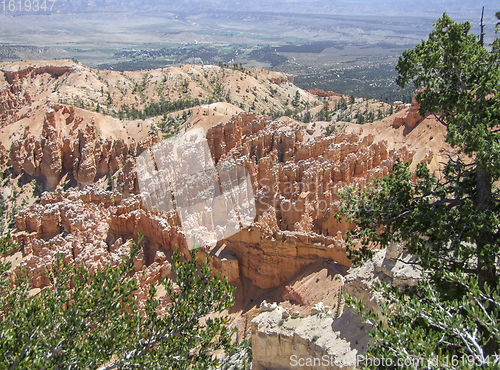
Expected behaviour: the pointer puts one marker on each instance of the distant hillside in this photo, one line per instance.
(164, 99)
(351, 7)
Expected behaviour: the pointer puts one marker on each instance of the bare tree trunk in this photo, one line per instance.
(485, 262)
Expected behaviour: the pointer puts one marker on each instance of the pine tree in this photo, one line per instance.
(87, 320)
(109, 186)
(296, 100)
(450, 223)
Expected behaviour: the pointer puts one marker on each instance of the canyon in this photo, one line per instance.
(295, 196)
(293, 252)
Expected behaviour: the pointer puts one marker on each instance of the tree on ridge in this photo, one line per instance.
(449, 222)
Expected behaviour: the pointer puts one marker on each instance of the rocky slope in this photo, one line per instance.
(27, 86)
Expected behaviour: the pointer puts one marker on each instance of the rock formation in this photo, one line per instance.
(14, 74)
(281, 79)
(299, 180)
(84, 161)
(389, 265)
(411, 118)
(80, 152)
(323, 93)
(282, 340)
(10, 102)
(88, 227)
(27, 85)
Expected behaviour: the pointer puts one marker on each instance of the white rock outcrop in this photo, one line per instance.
(391, 265)
(317, 341)
(283, 340)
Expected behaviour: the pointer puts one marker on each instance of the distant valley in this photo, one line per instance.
(350, 54)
